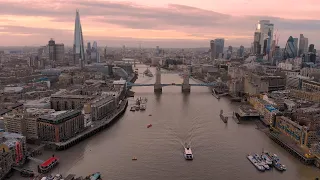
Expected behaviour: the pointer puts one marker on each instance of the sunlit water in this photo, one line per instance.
(219, 149)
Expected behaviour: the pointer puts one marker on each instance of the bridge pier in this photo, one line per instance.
(157, 88)
(185, 88)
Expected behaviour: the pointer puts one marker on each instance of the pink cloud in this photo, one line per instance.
(157, 20)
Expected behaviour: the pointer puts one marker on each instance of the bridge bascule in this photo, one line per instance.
(185, 85)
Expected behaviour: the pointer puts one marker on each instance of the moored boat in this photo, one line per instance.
(49, 164)
(133, 108)
(261, 162)
(255, 163)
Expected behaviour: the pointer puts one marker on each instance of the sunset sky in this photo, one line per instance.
(167, 23)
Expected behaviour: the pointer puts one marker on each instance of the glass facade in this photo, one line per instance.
(290, 49)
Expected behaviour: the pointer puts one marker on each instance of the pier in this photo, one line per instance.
(99, 126)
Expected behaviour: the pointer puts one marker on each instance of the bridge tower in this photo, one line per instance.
(157, 85)
(185, 85)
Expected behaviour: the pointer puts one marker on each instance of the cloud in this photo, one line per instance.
(104, 20)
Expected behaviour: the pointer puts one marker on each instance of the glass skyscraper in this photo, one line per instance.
(78, 48)
(290, 49)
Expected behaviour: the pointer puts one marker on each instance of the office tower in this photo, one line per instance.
(295, 43)
(230, 49)
(311, 48)
(266, 32)
(219, 43)
(306, 45)
(303, 45)
(88, 45)
(241, 51)
(265, 44)
(256, 43)
(78, 48)
(52, 46)
(56, 52)
(290, 50)
(277, 55)
(95, 56)
(212, 50)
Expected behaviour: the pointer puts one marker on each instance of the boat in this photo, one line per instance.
(261, 162)
(142, 107)
(149, 126)
(150, 114)
(26, 173)
(95, 176)
(276, 163)
(266, 159)
(188, 153)
(137, 108)
(49, 164)
(255, 163)
(133, 108)
(134, 159)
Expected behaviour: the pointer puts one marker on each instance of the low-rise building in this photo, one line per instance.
(16, 144)
(6, 160)
(60, 126)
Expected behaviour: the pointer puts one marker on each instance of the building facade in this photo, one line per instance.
(60, 126)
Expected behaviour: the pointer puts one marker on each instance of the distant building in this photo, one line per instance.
(219, 43)
(290, 49)
(56, 52)
(303, 45)
(266, 32)
(212, 50)
(78, 47)
(60, 126)
(311, 48)
(241, 51)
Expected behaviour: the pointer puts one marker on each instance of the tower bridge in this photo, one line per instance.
(185, 85)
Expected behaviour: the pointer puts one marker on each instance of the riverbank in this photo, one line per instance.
(94, 129)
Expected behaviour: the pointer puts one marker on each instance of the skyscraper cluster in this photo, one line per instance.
(216, 48)
(263, 37)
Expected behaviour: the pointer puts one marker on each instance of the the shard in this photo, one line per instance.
(78, 48)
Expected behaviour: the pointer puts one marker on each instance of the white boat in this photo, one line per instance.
(261, 162)
(188, 153)
(255, 163)
(266, 159)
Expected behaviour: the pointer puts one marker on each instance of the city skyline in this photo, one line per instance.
(166, 23)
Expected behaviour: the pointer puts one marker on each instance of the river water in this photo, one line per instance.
(219, 149)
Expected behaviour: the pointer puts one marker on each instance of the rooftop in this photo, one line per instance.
(59, 116)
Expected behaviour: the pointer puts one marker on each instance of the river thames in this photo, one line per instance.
(219, 149)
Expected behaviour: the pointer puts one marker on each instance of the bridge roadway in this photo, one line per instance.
(172, 84)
